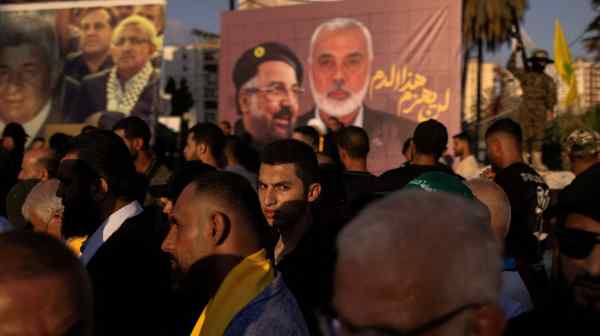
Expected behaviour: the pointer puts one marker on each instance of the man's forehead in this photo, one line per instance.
(347, 40)
(276, 71)
(132, 29)
(20, 55)
(276, 172)
(96, 15)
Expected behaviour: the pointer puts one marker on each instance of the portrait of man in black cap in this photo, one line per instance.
(268, 82)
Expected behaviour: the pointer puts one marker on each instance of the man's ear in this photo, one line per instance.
(314, 190)
(218, 228)
(44, 176)
(488, 320)
(99, 189)
(244, 102)
(201, 149)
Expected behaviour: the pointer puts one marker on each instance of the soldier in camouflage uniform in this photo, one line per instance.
(583, 149)
(537, 103)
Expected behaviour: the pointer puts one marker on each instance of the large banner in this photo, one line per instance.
(383, 65)
(79, 61)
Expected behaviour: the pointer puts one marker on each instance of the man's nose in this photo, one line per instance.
(269, 197)
(168, 243)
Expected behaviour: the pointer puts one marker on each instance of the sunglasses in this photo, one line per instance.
(576, 244)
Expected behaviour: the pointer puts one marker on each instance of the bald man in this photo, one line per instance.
(514, 296)
(404, 269)
(219, 237)
(44, 289)
(38, 164)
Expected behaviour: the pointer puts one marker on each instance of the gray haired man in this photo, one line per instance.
(405, 269)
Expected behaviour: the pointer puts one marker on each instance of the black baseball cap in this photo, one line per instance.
(180, 179)
(246, 66)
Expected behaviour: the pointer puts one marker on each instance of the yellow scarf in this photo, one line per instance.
(243, 283)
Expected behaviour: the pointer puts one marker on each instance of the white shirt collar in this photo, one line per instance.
(33, 126)
(358, 121)
(108, 228)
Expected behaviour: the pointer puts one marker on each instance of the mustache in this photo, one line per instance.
(339, 86)
(284, 113)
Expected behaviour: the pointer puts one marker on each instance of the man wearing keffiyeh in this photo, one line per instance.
(131, 86)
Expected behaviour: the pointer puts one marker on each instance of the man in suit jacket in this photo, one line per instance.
(32, 89)
(130, 274)
(340, 62)
(131, 86)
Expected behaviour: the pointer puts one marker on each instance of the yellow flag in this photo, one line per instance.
(564, 65)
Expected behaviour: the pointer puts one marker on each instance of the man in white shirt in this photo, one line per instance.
(466, 165)
(130, 274)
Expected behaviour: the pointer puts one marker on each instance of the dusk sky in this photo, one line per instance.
(574, 15)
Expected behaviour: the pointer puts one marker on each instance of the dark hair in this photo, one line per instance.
(310, 132)
(106, 154)
(431, 137)
(88, 128)
(406, 145)
(134, 128)
(60, 143)
(296, 152)
(463, 136)
(354, 140)
(112, 20)
(506, 126)
(38, 255)
(212, 136)
(236, 192)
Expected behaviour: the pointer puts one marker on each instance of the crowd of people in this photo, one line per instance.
(102, 238)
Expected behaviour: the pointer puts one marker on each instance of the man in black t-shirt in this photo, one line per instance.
(429, 143)
(525, 188)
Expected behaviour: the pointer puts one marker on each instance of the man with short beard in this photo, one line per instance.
(340, 63)
(129, 272)
(268, 82)
(288, 185)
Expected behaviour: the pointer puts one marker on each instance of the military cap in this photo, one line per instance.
(540, 55)
(439, 181)
(247, 65)
(583, 142)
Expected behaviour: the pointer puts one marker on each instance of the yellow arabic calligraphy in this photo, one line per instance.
(413, 92)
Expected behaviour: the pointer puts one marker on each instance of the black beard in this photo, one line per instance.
(81, 219)
(289, 214)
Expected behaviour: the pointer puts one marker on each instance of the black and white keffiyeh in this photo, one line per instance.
(121, 99)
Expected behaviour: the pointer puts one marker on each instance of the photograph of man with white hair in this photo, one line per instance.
(32, 88)
(131, 86)
(339, 67)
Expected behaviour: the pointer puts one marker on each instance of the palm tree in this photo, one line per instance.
(592, 41)
(488, 23)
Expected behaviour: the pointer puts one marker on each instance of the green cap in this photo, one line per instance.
(438, 181)
(583, 142)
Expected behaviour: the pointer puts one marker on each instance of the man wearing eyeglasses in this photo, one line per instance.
(131, 86)
(339, 67)
(96, 25)
(418, 263)
(268, 81)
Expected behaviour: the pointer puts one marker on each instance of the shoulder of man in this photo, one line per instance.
(101, 76)
(275, 311)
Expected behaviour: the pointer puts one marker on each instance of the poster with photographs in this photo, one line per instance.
(79, 61)
(383, 65)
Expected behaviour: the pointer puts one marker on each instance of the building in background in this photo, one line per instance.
(198, 65)
(588, 84)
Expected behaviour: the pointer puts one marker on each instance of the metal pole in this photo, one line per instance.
(478, 102)
(232, 5)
